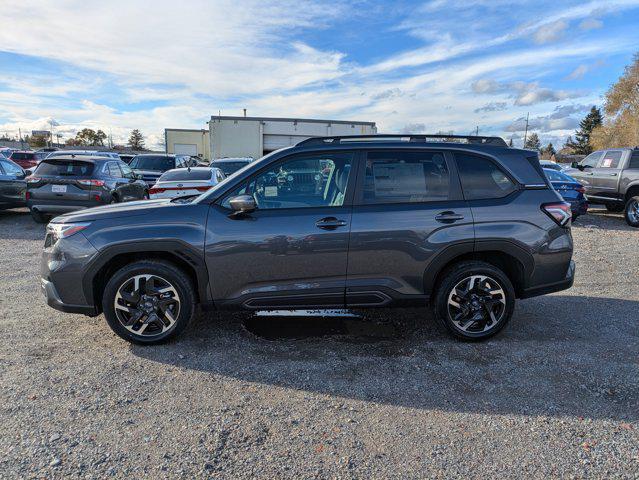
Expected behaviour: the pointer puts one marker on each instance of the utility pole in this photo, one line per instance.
(526, 131)
(21, 142)
(477, 131)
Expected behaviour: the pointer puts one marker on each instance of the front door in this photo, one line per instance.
(604, 182)
(12, 184)
(291, 252)
(408, 208)
(585, 174)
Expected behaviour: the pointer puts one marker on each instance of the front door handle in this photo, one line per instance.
(448, 217)
(330, 223)
(613, 174)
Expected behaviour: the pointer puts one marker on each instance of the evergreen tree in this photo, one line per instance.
(550, 150)
(136, 140)
(532, 142)
(594, 119)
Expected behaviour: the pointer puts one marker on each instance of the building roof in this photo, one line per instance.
(294, 120)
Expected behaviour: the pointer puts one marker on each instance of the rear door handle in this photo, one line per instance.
(448, 217)
(330, 223)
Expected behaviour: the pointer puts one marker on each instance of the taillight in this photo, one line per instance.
(581, 189)
(202, 189)
(27, 195)
(157, 190)
(559, 212)
(32, 179)
(92, 183)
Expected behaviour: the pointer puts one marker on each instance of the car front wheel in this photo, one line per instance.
(148, 302)
(632, 212)
(475, 300)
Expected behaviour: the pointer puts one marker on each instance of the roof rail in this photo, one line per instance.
(471, 139)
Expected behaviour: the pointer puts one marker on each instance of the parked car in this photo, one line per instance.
(12, 185)
(25, 158)
(611, 178)
(571, 191)
(185, 182)
(466, 228)
(93, 153)
(230, 165)
(67, 183)
(552, 165)
(151, 165)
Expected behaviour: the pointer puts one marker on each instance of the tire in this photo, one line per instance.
(39, 217)
(114, 199)
(173, 309)
(614, 208)
(502, 304)
(631, 212)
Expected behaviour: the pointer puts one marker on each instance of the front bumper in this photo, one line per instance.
(564, 284)
(53, 300)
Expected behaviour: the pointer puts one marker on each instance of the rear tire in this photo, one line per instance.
(614, 208)
(155, 302)
(631, 212)
(474, 300)
(39, 217)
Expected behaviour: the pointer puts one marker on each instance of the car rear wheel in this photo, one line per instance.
(475, 300)
(632, 212)
(39, 217)
(148, 302)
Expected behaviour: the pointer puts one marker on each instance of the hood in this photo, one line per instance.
(116, 210)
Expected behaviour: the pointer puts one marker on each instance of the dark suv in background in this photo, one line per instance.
(379, 221)
(150, 166)
(72, 182)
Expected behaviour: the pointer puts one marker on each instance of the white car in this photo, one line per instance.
(182, 182)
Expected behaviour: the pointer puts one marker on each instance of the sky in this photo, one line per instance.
(410, 66)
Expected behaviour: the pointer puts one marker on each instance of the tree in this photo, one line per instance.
(591, 121)
(136, 140)
(621, 106)
(548, 151)
(532, 142)
(99, 138)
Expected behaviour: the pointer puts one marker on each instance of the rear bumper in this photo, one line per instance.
(54, 301)
(62, 206)
(564, 284)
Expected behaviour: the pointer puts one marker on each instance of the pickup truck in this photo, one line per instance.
(611, 177)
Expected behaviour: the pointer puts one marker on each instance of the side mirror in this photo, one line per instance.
(243, 204)
(574, 164)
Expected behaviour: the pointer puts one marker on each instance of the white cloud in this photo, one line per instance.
(550, 32)
(590, 24)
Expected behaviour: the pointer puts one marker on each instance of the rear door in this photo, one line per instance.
(604, 181)
(408, 208)
(12, 184)
(119, 184)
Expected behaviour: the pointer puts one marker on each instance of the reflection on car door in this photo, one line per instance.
(604, 182)
(292, 251)
(407, 209)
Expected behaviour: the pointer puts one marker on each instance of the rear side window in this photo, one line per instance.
(634, 160)
(185, 175)
(611, 159)
(405, 177)
(481, 178)
(71, 168)
(113, 170)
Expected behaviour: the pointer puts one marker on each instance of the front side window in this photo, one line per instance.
(405, 177)
(611, 159)
(314, 180)
(592, 160)
(481, 178)
(114, 170)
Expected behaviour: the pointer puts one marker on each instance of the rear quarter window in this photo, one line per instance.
(481, 178)
(634, 160)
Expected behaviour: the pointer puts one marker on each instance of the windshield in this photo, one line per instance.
(70, 168)
(185, 174)
(153, 163)
(230, 167)
(22, 156)
(230, 179)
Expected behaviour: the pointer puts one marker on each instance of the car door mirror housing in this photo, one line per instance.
(243, 204)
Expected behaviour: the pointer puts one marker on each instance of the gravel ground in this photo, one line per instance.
(556, 394)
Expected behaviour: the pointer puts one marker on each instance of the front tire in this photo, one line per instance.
(148, 302)
(631, 212)
(474, 301)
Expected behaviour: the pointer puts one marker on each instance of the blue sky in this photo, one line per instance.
(418, 66)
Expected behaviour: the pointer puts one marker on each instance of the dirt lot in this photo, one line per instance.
(556, 394)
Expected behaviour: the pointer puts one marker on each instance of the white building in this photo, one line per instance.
(256, 136)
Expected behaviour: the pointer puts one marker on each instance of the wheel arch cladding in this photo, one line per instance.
(113, 258)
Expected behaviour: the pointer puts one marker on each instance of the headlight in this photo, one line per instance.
(56, 231)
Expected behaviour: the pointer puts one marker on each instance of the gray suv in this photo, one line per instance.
(464, 224)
